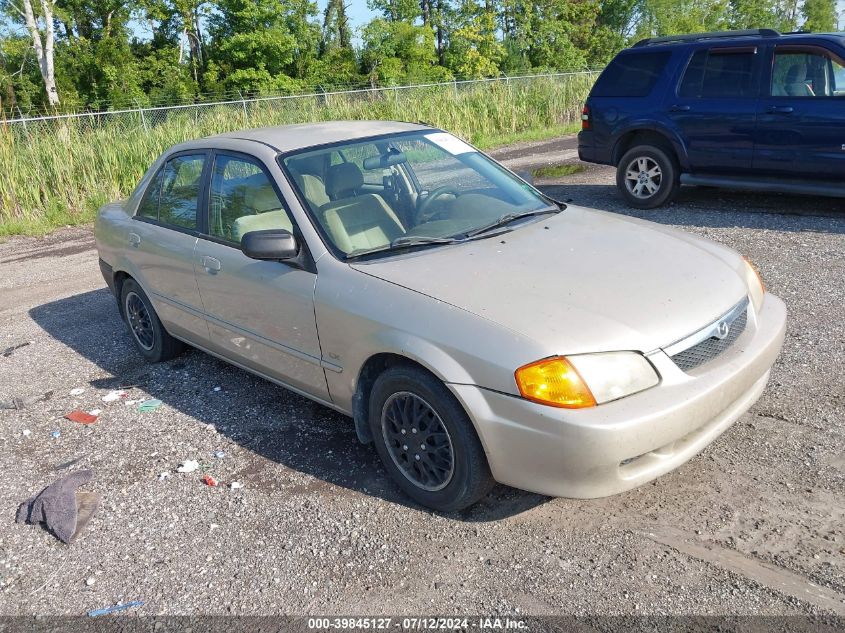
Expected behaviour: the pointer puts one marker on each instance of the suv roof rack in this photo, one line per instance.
(692, 37)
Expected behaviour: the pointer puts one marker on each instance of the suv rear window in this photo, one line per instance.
(631, 75)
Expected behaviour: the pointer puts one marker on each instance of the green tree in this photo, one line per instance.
(474, 48)
(819, 15)
(397, 52)
(263, 45)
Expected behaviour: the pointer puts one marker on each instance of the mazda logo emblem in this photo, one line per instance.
(722, 330)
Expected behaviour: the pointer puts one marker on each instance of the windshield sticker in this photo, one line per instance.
(449, 143)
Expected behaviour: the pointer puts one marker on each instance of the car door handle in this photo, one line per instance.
(210, 264)
(680, 108)
(134, 239)
(780, 110)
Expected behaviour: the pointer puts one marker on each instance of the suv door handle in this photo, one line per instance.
(210, 264)
(134, 239)
(680, 108)
(780, 110)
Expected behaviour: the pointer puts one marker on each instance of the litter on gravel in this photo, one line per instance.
(163, 476)
(236, 485)
(219, 454)
(116, 608)
(148, 406)
(208, 480)
(26, 432)
(81, 417)
(188, 466)
(22, 403)
(11, 350)
(56, 434)
(77, 391)
(114, 395)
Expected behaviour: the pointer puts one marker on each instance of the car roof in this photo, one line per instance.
(286, 138)
(756, 36)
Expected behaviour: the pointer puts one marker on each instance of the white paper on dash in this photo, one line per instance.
(450, 143)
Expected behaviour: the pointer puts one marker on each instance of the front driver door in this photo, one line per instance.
(801, 123)
(260, 313)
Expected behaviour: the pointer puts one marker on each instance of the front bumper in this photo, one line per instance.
(616, 446)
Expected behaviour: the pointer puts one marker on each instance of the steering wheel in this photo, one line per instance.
(432, 196)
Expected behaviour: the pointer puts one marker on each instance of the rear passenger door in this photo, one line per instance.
(801, 120)
(714, 108)
(161, 241)
(260, 313)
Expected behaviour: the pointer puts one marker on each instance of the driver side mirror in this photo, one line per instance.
(270, 244)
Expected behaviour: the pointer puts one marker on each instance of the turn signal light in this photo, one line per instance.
(554, 382)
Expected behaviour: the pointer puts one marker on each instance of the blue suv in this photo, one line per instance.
(756, 110)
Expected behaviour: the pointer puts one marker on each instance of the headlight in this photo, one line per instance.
(756, 287)
(585, 380)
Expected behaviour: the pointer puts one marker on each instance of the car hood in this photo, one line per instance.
(579, 281)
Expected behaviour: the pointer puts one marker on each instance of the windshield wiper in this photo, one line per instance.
(507, 218)
(403, 242)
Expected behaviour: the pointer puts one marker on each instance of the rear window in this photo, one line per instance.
(631, 75)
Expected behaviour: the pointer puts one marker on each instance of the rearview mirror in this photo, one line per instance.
(392, 157)
(272, 244)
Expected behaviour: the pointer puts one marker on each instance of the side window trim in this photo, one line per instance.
(809, 49)
(201, 198)
(206, 205)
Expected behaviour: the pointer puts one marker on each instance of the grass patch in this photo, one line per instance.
(57, 173)
(558, 171)
(526, 136)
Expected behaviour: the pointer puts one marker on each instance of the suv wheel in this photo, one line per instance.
(648, 177)
(148, 334)
(426, 441)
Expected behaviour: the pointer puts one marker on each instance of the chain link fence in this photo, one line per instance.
(295, 108)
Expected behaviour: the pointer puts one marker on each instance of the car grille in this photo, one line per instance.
(710, 348)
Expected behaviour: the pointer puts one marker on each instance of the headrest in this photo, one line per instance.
(342, 180)
(308, 164)
(261, 199)
(797, 72)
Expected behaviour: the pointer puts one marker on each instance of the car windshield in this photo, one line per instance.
(403, 191)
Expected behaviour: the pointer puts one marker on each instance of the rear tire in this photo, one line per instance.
(648, 177)
(147, 332)
(426, 441)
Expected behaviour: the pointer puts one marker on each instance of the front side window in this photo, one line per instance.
(719, 73)
(413, 187)
(807, 73)
(243, 199)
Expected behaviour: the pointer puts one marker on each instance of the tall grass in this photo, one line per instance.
(60, 172)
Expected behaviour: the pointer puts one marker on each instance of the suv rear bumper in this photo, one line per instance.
(587, 150)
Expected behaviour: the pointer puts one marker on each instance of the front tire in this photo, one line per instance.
(148, 334)
(426, 441)
(648, 177)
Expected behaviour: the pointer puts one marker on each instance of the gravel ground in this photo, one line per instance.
(752, 525)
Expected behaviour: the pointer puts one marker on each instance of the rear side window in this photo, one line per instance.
(719, 73)
(172, 196)
(631, 75)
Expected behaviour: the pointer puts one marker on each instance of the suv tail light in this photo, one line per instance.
(585, 118)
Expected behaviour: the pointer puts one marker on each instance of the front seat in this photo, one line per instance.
(354, 220)
(796, 82)
(267, 213)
